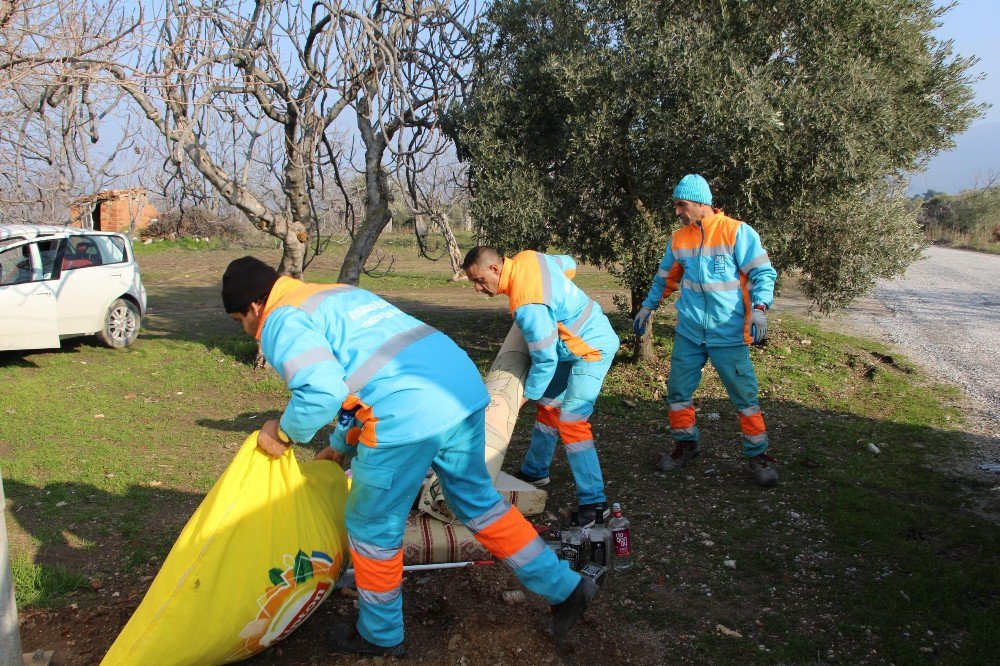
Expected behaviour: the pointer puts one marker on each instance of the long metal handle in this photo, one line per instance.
(10, 636)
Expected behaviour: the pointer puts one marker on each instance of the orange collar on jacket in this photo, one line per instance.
(284, 286)
(504, 285)
(716, 216)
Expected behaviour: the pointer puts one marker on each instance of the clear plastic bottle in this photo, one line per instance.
(621, 537)
(572, 543)
(600, 542)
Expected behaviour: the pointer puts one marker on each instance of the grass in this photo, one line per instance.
(853, 558)
(43, 587)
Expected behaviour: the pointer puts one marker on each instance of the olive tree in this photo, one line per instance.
(802, 114)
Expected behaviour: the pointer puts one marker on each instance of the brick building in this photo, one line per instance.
(113, 210)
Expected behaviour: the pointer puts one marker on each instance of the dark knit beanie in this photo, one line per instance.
(246, 280)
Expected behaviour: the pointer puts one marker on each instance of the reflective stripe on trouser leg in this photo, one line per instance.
(682, 421)
(461, 466)
(512, 539)
(582, 456)
(737, 374)
(385, 483)
(543, 441)
(379, 575)
(584, 385)
(686, 362)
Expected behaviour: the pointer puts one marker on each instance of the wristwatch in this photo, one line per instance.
(284, 437)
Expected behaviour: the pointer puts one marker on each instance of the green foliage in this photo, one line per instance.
(971, 218)
(585, 114)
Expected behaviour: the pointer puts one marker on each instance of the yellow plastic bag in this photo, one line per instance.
(261, 553)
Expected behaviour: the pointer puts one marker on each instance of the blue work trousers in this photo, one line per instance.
(737, 373)
(386, 482)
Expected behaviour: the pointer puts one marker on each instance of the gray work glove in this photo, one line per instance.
(640, 321)
(758, 326)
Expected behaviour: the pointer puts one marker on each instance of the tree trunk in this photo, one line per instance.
(293, 250)
(453, 252)
(642, 345)
(377, 215)
(467, 219)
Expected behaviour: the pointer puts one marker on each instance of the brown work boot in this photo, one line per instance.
(683, 451)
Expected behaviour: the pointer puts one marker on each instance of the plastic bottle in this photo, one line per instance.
(621, 538)
(572, 543)
(600, 541)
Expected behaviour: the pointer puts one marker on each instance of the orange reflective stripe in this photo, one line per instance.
(378, 575)
(747, 309)
(682, 418)
(507, 535)
(366, 416)
(353, 436)
(674, 276)
(576, 345)
(548, 416)
(575, 431)
(751, 425)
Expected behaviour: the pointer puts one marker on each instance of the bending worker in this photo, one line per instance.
(411, 400)
(727, 284)
(571, 343)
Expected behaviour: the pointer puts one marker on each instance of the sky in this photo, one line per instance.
(972, 25)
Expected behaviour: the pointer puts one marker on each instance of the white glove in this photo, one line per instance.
(758, 326)
(640, 321)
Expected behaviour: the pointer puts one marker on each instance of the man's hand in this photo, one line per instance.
(328, 453)
(758, 326)
(640, 321)
(268, 441)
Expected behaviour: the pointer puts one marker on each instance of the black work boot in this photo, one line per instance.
(345, 639)
(764, 469)
(588, 513)
(566, 613)
(537, 481)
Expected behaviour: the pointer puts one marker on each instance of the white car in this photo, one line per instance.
(62, 282)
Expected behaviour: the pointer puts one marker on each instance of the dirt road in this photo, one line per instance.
(945, 314)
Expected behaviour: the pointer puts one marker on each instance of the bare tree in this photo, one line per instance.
(55, 145)
(240, 89)
(428, 181)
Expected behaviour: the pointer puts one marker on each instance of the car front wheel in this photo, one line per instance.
(121, 324)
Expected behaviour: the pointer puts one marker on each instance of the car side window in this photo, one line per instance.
(48, 250)
(16, 266)
(111, 248)
(81, 252)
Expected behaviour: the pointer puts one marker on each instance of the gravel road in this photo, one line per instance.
(944, 313)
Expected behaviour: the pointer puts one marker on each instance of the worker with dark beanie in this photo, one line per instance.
(406, 398)
(246, 280)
